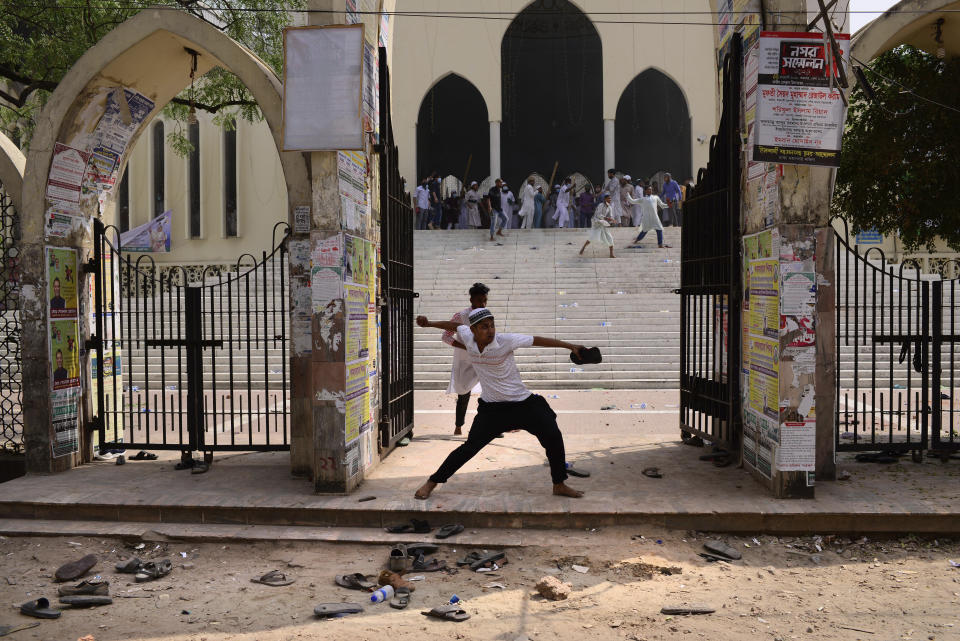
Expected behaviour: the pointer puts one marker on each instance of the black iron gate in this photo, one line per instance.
(896, 354)
(396, 242)
(710, 281)
(11, 415)
(190, 358)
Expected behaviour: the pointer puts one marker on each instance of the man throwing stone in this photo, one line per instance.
(505, 402)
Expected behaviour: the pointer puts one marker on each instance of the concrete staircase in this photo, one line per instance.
(539, 285)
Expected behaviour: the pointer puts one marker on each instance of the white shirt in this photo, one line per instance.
(423, 197)
(506, 199)
(563, 200)
(496, 367)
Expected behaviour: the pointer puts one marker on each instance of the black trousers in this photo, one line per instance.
(462, 401)
(532, 415)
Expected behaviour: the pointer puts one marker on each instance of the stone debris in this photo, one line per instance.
(550, 587)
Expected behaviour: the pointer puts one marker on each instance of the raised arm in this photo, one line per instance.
(631, 199)
(449, 326)
(543, 341)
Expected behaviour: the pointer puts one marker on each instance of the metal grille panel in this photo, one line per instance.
(11, 416)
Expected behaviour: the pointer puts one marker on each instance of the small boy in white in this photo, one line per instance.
(505, 401)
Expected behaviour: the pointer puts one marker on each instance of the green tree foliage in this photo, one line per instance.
(41, 39)
(900, 165)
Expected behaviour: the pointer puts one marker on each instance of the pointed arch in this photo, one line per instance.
(552, 82)
(653, 127)
(452, 126)
(12, 164)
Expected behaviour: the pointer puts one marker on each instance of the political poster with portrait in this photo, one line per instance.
(64, 354)
(62, 282)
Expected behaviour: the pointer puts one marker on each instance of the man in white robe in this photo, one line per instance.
(562, 215)
(526, 206)
(612, 187)
(507, 201)
(648, 205)
(625, 193)
(472, 203)
(463, 378)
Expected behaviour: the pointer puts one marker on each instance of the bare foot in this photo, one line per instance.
(427, 487)
(559, 489)
(491, 238)
(458, 431)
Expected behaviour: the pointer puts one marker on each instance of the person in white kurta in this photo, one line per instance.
(562, 215)
(526, 207)
(472, 203)
(612, 187)
(648, 220)
(626, 207)
(463, 378)
(599, 226)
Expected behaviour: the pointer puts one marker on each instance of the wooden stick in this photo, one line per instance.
(843, 627)
(466, 172)
(553, 173)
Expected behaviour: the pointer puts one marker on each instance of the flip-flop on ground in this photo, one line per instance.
(448, 612)
(273, 578)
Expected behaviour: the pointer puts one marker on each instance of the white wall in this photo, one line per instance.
(424, 50)
(261, 193)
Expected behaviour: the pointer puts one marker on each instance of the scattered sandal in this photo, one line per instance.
(652, 472)
(399, 558)
(415, 526)
(273, 578)
(143, 456)
(448, 611)
(355, 581)
(129, 566)
(572, 471)
(19, 627)
(150, 570)
(448, 531)
(433, 565)
(401, 598)
(75, 569)
(86, 600)
(330, 610)
(687, 609)
(719, 548)
(39, 609)
(488, 560)
(100, 588)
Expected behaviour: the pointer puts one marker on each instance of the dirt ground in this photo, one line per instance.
(783, 588)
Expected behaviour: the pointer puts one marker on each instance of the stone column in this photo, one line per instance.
(495, 148)
(609, 150)
(789, 206)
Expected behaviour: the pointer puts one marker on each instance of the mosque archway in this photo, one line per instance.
(552, 87)
(452, 125)
(653, 128)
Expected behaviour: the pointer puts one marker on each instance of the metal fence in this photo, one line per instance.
(191, 365)
(710, 281)
(896, 354)
(11, 415)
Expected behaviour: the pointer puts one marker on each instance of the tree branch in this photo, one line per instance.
(214, 108)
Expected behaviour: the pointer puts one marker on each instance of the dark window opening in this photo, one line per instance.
(453, 131)
(230, 183)
(194, 167)
(552, 93)
(653, 128)
(158, 148)
(123, 201)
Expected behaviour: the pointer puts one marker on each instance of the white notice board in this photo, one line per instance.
(322, 88)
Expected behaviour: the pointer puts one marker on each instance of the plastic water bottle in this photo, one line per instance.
(383, 594)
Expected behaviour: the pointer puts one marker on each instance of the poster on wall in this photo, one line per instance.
(66, 173)
(62, 282)
(64, 354)
(150, 237)
(62, 221)
(357, 261)
(735, 16)
(65, 409)
(800, 111)
(357, 330)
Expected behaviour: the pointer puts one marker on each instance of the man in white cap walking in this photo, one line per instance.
(612, 187)
(527, 205)
(625, 193)
(505, 401)
(562, 215)
(472, 201)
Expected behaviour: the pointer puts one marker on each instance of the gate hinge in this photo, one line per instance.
(94, 423)
(93, 342)
(676, 291)
(416, 294)
(89, 267)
